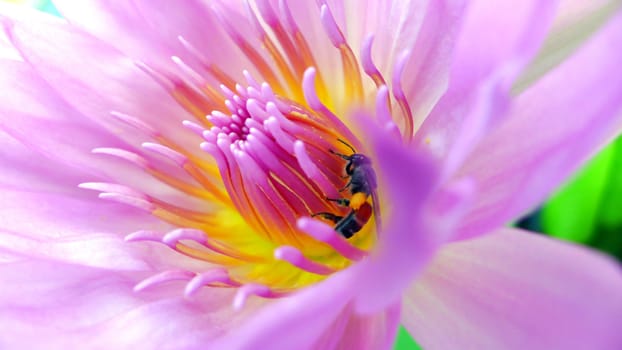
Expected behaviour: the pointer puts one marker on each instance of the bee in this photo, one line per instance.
(361, 185)
(350, 224)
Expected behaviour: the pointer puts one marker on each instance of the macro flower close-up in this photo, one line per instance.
(302, 174)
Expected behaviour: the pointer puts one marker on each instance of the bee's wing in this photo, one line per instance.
(370, 175)
(376, 206)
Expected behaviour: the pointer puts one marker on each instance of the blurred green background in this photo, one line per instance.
(586, 210)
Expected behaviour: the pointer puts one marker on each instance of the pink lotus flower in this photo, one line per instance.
(222, 252)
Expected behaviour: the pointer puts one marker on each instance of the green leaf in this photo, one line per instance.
(588, 209)
(573, 212)
(405, 341)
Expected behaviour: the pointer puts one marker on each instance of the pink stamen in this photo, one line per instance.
(163, 277)
(368, 64)
(135, 123)
(144, 235)
(241, 93)
(123, 154)
(172, 238)
(288, 20)
(301, 47)
(180, 159)
(332, 29)
(259, 150)
(281, 137)
(308, 88)
(324, 233)
(218, 118)
(160, 78)
(238, 100)
(218, 12)
(248, 290)
(229, 94)
(267, 13)
(253, 93)
(274, 111)
(194, 78)
(167, 152)
(222, 162)
(194, 127)
(383, 112)
(296, 258)
(399, 95)
(250, 14)
(193, 50)
(246, 48)
(269, 201)
(256, 111)
(220, 76)
(275, 51)
(139, 203)
(272, 20)
(250, 80)
(312, 171)
(351, 71)
(112, 188)
(216, 275)
(268, 95)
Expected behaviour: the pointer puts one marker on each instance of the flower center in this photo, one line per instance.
(284, 197)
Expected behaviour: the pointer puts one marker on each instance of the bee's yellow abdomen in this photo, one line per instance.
(357, 200)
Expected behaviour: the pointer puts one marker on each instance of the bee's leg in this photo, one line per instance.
(344, 202)
(328, 216)
(347, 185)
(342, 156)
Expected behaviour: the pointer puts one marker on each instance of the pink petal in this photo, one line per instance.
(97, 250)
(516, 290)
(295, 322)
(7, 51)
(33, 113)
(194, 21)
(571, 12)
(407, 239)
(120, 24)
(522, 25)
(57, 306)
(97, 79)
(30, 94)
(425, 28)
(396, 26)
(306, 15)
(24, 168)
(56, 215)
(63, 144)
(426, 76)
(66, 148)
(482, 72)
(575, 22)
(149, 30)
(352, 331)
(551, 130)
(81, 231)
